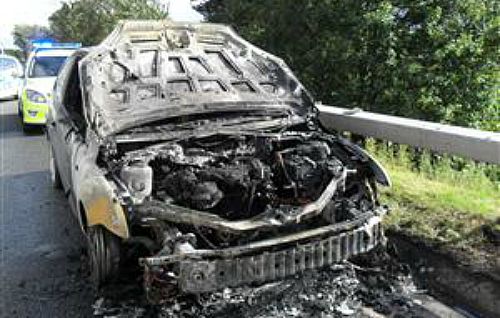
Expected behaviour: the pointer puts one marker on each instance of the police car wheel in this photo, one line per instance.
(19, 109)
(26, 127)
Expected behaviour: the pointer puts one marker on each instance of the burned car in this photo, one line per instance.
(205, 154)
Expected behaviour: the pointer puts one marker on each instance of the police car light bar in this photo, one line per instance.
(48, 44)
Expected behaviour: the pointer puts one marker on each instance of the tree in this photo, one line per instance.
(90, 21)
(23, 34)
(431, 59)
(17, 54)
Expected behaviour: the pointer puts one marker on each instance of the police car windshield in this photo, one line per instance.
(46, 66)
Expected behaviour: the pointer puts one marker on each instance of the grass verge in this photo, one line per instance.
(434, 201)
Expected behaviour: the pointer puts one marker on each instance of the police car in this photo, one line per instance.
(11, 72)
(42, 67)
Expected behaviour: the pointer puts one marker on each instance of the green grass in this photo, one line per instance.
(444, 200)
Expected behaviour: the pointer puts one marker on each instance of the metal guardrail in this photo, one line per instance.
(470, 143)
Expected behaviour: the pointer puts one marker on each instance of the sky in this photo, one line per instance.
(14, 12)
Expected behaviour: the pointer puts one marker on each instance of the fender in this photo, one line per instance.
(381, 175)
(102, 207)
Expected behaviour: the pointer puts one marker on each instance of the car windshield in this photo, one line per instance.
(46, 66)
(7, 64)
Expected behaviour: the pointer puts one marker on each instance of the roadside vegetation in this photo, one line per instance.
(440, 199)
(434, 60)
(90, 21)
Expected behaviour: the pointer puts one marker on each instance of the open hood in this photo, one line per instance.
(150, 70)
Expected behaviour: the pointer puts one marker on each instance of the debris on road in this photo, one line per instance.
(373, 285)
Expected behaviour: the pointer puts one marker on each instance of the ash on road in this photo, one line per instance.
(42, 252)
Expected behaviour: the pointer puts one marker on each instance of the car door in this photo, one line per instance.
(64, 132)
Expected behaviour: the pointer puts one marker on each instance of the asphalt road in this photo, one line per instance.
(41, 273)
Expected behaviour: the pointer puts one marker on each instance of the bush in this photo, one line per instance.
(434, 59)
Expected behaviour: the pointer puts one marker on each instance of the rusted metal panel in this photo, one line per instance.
(470, 143)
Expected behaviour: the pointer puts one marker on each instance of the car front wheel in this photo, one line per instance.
(104, 255)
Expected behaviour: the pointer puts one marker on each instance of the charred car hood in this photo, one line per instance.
(149, 70)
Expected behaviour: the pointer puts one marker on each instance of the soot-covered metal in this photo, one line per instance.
(205, 154)
(238, 177)
(233, 204)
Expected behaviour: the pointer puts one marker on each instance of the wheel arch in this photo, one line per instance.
(381, 175)
(99, 205)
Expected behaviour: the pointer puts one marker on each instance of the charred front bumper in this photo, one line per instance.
(267, 260)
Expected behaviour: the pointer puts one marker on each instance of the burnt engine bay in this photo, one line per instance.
(248, 176)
